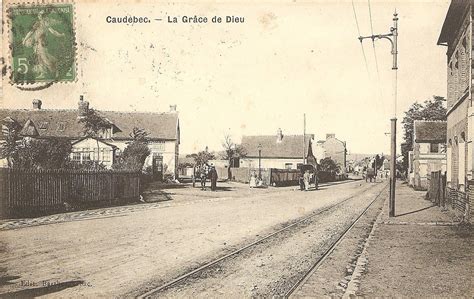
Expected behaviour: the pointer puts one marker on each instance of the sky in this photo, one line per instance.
(287, 59)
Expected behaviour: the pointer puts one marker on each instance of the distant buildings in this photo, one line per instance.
(163, 130)
(332, 148)
(429, 152)
(456, 34)
(287, 151)
(277, 151)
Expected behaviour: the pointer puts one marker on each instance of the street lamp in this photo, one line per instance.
(392, 37)
(259, 147)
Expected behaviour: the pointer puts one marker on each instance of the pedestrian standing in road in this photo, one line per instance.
(213, 179)
(253, 180)
(203, 175)
(306, 180)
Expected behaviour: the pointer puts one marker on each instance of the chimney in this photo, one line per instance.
(332, 135)
(173, 108)
(37, 104)
(82, 106)
(279, 135)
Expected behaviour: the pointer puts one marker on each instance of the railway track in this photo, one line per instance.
(178, 280)
(328, 252)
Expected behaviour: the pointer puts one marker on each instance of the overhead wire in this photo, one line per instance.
(375, 53)
(373, 42)
(358, 31)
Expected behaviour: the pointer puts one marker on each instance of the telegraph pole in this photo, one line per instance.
(392, 37)
(304, 138)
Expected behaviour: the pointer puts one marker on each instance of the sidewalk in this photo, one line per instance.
(422, 252)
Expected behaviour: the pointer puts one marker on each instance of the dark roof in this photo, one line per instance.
(158, 125)
(453, 20)
(64, 123)
(430, 131)
(291, 146)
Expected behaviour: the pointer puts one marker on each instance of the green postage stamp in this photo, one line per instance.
(42, 43)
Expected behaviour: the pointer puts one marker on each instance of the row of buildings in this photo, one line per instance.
(290, 151)
(272, 151)
(278, 151)
(448, 146)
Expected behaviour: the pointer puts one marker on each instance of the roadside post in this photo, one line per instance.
(392, 37)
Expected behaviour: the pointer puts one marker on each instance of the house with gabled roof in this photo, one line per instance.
(429, 151)
(163, 132)
(277, 151)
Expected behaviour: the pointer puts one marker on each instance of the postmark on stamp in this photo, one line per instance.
(42, 43)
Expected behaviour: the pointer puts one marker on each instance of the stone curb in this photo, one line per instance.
(361, 263)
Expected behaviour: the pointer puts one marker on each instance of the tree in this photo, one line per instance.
(327, 164)
(232, 151)
(94, 126)
(52, 153)
(378, 160)
(202, 157)
(134, 155)
(8, 147)
(140, 135)
(432, 109)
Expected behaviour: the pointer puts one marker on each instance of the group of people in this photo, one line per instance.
(208, 171)
(255, 181)
(306, 181)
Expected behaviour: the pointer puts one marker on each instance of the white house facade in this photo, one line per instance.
(163, 133)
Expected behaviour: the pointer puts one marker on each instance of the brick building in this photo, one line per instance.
(456, 34)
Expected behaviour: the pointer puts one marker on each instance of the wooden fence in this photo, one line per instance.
(456, 200)
(242, 174)
(285, 177)
(459, 201)
(280, 177)
(26, 193)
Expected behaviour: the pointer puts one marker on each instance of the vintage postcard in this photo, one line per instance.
(236, 149)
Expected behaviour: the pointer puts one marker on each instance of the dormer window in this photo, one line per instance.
(61, 126)
(43, 125)
(434, 147)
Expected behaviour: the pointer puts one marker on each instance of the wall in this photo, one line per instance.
(459, 73)
(425, 162)
(336, 150)
(90, 145)
(318, 151)
(269, 163)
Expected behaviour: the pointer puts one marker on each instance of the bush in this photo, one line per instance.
(42, 154)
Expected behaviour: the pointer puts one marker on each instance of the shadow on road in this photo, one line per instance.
(32, 293)
(6, 280)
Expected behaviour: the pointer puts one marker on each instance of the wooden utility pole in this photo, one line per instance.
(304, 138)
(392, 37)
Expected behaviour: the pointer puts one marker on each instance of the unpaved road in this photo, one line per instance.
(270, 268)
(130, 253)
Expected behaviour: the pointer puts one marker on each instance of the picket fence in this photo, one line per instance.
(25, 193)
